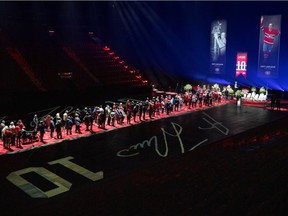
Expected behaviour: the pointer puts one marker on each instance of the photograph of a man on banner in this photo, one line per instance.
(218, 46)
(270, 33)
(218, 42)
(269, 45)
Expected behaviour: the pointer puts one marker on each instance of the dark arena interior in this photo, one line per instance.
(144, 108)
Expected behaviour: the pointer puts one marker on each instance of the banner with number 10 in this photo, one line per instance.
(241, 64)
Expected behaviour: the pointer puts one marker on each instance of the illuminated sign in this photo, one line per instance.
(241, 64)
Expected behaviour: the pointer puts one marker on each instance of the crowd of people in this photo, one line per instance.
(16, 133)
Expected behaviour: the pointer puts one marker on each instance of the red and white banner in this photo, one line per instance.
(269, 46)
(241, 64)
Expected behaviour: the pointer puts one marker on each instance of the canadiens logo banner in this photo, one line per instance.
(241, 64)
(269, 46)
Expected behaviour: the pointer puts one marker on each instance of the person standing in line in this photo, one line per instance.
(35, 122)
(145, 107)
(135, 109)
(65, 117)
(2, 125)
(13, 137)
(113, 117)
(58, 128)
(77, 123)
(128, 111)
(52, 127)
(7, 136)
(47, 122)
(17, 131)
(107, 114)
(68, 125)
(41, 129)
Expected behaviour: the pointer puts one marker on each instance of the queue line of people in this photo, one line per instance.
(116, 113)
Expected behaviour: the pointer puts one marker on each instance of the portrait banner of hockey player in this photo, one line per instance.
(218, 46)
(269, 46)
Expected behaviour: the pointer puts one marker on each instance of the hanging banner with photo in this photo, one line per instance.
(218, 46)
(269, 46)
(241, 64)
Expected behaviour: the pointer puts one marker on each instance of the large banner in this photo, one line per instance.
(241, 64)
(218, 46)
(269, 46)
